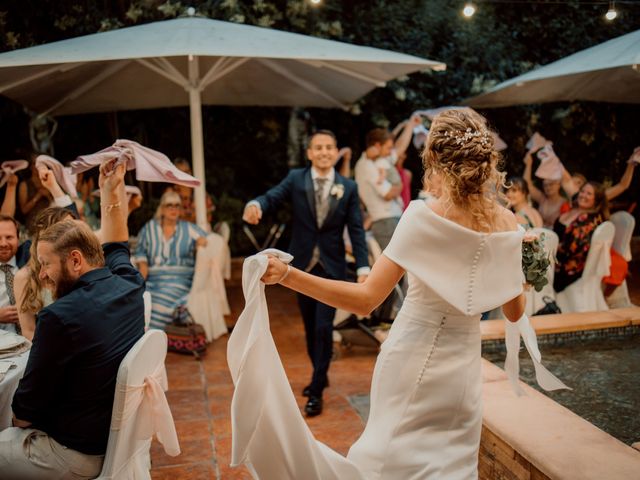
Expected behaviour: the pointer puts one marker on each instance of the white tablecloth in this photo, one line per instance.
(8, 387)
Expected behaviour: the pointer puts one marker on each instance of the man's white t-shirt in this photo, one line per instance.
(372, 190)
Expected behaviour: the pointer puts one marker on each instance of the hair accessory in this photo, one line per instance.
(468, 134)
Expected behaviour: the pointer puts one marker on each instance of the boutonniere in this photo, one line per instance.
(337, 190)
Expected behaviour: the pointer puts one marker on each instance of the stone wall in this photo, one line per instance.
(499, 461)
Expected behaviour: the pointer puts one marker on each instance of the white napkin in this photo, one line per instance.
(5, 366)
(10, 340)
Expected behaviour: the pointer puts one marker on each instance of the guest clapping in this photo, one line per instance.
(166, 257)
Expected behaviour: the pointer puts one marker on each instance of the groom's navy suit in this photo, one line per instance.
(344, 210)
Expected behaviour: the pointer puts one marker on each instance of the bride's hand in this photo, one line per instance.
(276, 271)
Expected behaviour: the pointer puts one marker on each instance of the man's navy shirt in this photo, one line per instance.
(68, 387)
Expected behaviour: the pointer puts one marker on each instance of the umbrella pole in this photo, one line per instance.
(197, 142)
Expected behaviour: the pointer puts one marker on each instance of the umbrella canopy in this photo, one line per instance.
(608, 72)
(190, 61)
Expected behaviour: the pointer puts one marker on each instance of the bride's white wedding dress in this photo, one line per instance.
(426, 405)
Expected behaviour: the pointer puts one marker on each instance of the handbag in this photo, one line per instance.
(550, 307)
(184, 335)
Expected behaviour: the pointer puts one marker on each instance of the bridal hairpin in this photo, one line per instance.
(468, 134)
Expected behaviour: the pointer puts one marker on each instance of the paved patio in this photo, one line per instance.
(200, 396)
(200, 393)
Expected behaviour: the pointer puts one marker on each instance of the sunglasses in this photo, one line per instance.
(172, 205)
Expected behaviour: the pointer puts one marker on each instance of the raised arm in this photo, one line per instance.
(26, 203)
(9, 202)
(624, 183)
(536, 194)
(113, 202)
(567, 183)
(270, 200)
(402, 142)
(359, 298)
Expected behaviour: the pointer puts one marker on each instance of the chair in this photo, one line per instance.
(140, 410)
(625, 224)
(585, 294)
(207, 300)
(535, 299)
(148, 306)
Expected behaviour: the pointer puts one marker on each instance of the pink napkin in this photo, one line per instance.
(550, 166)
(536, 142)
(64, 176)
(10, 167)
(150, 165)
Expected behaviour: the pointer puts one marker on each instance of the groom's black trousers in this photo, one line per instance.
(318, 327)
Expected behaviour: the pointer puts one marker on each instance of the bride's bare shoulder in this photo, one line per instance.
(505, 220)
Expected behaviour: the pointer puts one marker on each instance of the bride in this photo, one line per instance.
(462, 254)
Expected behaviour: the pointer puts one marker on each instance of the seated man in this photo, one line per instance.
(62, 407)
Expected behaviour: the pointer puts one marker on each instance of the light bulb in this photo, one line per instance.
(191, 11)
(611, 14)
(468, 10)
(316, 2)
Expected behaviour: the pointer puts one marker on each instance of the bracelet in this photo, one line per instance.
(108, 208)
(286, 274)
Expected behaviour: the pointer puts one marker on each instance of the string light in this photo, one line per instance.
(611, 13)
(468, 10)
(315, 2)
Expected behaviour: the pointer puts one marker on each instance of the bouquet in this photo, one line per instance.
(535, 261)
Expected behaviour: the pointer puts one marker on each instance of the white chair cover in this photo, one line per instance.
(207, 300)
(534, 299)
(625, 224)
(146, 297)
(585, 294)
(140, 410)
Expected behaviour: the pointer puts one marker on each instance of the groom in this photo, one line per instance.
(323, 203)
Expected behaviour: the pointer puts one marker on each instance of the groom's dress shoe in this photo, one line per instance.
(313, 406)
(306, 391)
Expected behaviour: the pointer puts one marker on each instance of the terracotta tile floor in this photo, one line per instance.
(200, 395)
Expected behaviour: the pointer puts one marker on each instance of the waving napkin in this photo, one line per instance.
(10, 167)
(513, 332)
(150, 165)
(65, 178)
(269, 434)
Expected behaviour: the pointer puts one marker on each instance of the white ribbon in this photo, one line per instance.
(513, 331)
(149, 405)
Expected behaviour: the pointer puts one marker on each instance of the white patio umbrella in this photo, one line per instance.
(193, 61)
(608, 72)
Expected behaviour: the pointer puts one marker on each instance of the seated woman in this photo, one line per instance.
(518, 196)
(575, 229)
(166, 255)
(31, 295)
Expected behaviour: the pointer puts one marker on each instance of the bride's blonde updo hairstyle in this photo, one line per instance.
(460, 148)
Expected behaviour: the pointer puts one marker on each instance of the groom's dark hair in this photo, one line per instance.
(321, 132)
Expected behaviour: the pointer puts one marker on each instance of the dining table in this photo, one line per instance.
(9, 383)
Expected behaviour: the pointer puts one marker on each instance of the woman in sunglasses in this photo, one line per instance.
(166, 256)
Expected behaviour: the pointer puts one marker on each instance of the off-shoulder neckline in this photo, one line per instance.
(519, 231)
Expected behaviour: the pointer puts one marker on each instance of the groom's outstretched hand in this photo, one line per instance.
(277, 270)
(252, 214)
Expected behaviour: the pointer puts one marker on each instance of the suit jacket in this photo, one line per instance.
(298, 189)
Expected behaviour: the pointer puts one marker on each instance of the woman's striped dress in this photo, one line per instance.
(171, 265)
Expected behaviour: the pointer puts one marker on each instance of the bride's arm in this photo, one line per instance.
(359, 298)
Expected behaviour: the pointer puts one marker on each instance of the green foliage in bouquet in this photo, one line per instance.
(535, 261)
